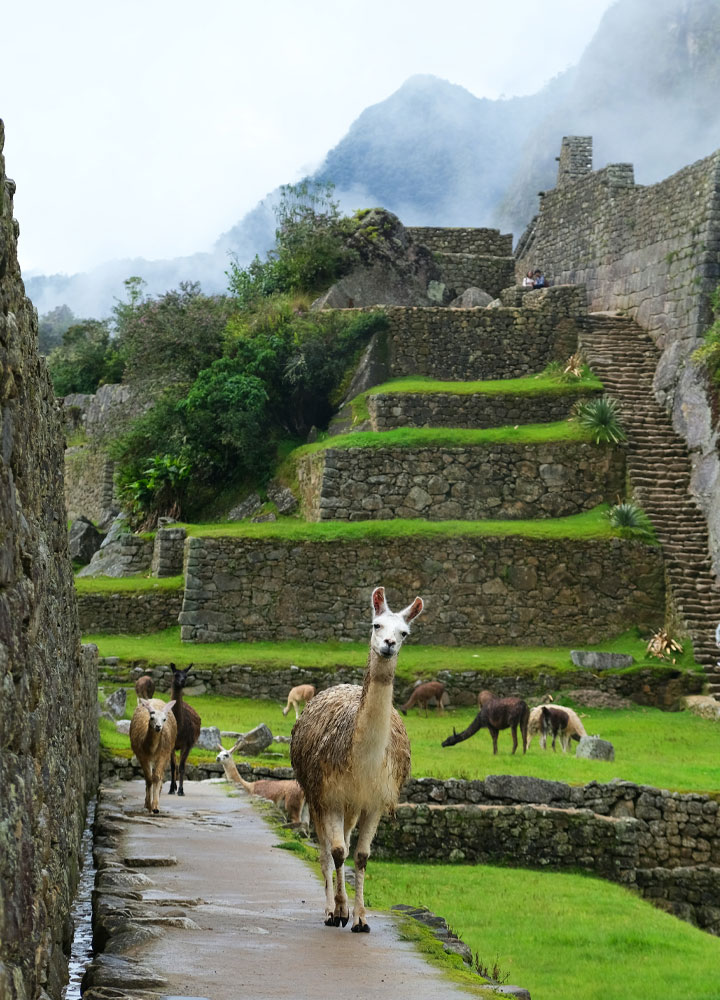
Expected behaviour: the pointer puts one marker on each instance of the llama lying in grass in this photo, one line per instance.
(298, 695)
(423, 694)
(284, 793)
(351, 755)
(574, 729)
(145, 686)
(496, 714)
(188, 729)
(152, 738)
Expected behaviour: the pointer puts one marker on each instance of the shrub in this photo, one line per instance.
(159, 490)
(87, 358)
(600, 418)
(631, 520)
(709, 353)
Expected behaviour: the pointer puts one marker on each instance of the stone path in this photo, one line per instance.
(625, 358)
(231, 915)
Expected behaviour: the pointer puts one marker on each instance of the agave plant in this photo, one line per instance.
(631, 520)
(662, 645)
(575, 366)
(600, 417)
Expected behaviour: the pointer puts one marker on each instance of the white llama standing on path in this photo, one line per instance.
(351, 755)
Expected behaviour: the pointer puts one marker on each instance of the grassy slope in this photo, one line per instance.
(677, 751)
(533, 385)
(559, 934)
(126, 584)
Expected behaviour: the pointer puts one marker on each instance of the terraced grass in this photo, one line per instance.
(416, 660)
(558, 934)
(126, 584)
(590, 524)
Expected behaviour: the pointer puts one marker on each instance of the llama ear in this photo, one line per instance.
(144, 702)
(379, 604)
(413, 610)
(170, 704)
(219, 746)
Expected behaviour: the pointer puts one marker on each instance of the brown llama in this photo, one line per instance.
(284, 793)
(188, 729)
(423, 694)
(145, 686)
(496, 714)
(152, 738)
(351, 755)
(554, 720)
(298, 695)
(574, 730)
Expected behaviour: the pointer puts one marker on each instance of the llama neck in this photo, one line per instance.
(372, 726)
(152, 740)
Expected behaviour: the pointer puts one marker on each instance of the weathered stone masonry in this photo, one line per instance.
(48, 723)
(472, 483)
(477, 589)
(128, 612)
(655, 253)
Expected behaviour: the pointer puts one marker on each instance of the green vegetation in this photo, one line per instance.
(709, 353)
(86, 358)
(590, 524)
(558, 934)
(126, 584)
(600, 418)
(532, 385)
(631, 521)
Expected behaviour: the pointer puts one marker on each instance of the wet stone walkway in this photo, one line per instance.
(197, 903)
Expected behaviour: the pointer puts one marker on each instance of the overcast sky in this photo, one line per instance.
(148, 127)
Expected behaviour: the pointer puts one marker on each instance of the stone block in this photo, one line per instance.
(592, 660)
(594, 748)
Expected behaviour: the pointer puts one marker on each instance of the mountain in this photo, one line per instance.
(645, 88)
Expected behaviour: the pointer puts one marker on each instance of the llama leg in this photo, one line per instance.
(337, 911)
(525, 738)
(173, 766)
(326, 866)
(367, 826)
(181, 770)
(514, 736)
(494, 733)
(297, 714)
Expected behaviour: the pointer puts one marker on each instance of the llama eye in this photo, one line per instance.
(404, 634)
(376, 625)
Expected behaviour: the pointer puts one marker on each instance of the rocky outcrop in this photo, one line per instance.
(48, 723)
(391, 269)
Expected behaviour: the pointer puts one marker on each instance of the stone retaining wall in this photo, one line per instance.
(653, 252)
(168, 552)
(468, 344)
(48, 723)
(89, 487)
(692, 894)
(390, 410)
(500, 481)
(462, 270)
(462, 239)
(478, 590)
(663, 689)
(129, 612)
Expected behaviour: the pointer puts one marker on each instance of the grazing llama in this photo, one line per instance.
(423, 694)
(351, 755)
(496, 714)
(152, 738)
(284, 793)
(188, 729)
(145, 686)
(575, 730)
(297, 695)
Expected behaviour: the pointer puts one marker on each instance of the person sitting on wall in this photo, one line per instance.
(529, 280)
(539, 280)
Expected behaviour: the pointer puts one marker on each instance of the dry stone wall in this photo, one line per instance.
(89, 486)
(468, 344)
(653, 252)
(495, 591)
(48, 723)
(462, 271)
(504, 481)
(461, 239)
(390, 410)
(129, 612)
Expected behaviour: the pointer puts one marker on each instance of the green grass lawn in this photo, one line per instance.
(532, 385)
(559, 935)
(676, 750)
(416, 660)
(126, 584)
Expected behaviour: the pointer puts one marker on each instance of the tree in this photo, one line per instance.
(52, 326)
(86, 359)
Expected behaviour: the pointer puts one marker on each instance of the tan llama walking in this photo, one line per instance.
(351, 755)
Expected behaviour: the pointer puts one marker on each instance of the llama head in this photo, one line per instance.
(223, 755)
(389, 628)
(180, 676)
(158, 716)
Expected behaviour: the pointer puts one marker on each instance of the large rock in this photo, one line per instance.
(472, 298)
(209, 737)
(128, 555)
(519, 788)
(391, 269)
(591, 660)
(84, 540)
(254, 742)
(593, 748)
(115, 703)
(283, 498)
(704, 706)
(249, 506)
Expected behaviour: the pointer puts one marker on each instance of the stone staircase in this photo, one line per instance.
(625, 358)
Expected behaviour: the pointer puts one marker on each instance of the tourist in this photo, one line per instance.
(528, 280)
(539, 280)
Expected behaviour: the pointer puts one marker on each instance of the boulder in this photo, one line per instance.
(591, 660)
(283, 498)
(127, 555)
(390, 269)
(593, 748)
(209, 737)
(703, 705)
(519, 788)
(249, 506)
(115, 703)
(123, 726)
(254, 742)
(84, 540)
(472, 298)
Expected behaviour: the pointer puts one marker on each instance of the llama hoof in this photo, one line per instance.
(330, 921)
(180, 791)
(344, 920)
(360, 927)
(171, 791)
(156, 811)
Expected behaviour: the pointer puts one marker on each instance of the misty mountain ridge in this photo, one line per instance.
(645, 88)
